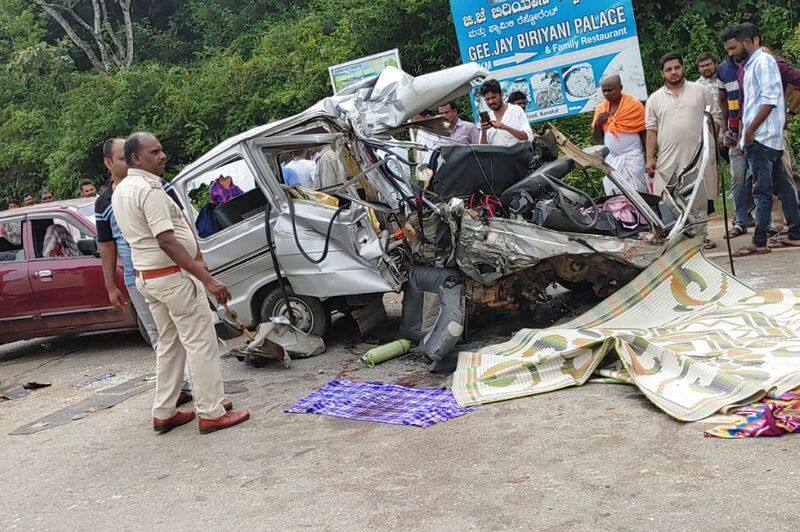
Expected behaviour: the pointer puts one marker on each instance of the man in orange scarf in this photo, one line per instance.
(619, 124)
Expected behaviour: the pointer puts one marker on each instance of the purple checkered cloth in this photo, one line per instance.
(381, 402)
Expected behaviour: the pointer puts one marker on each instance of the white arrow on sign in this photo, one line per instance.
(514, 59)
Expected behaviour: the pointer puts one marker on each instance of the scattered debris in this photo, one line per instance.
(278, 339)
(15, 391)
(94, 380)
(100, 401)
(36, 385)
(236, 387)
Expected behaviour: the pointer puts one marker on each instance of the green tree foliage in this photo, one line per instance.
(208, 69)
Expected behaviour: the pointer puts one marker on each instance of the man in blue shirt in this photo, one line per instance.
(763, 118)
(290, 177)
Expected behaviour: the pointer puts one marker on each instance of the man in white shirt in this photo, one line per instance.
(508, 124)
(427, 139)
(763, 119)
(305, 169)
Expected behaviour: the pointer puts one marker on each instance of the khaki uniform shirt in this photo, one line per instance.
(678, 119)
(143, 211)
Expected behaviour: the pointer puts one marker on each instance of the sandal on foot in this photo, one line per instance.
(783, 243)
(751, 250)
(737, 230)
(709, 244)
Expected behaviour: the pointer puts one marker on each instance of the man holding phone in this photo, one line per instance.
(502, 124)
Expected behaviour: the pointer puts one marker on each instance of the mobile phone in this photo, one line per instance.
(484, 117)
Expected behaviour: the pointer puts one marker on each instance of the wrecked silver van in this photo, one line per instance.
(502, 219)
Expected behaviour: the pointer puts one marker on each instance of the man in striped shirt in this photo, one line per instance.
(763, 118)
(729, 93)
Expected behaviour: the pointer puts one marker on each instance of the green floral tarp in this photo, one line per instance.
(692, 338)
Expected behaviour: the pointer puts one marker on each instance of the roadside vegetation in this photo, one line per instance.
(197, 71)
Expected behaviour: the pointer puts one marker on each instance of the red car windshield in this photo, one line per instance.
(88, 212)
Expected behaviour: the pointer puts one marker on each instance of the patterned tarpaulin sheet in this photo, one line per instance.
(692, 338)
(381, 402)
(773, 417)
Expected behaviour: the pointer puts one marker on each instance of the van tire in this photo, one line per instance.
(314, 318)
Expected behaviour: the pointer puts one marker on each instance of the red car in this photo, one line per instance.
(51, 279)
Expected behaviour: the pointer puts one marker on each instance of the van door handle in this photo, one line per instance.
(44, 273)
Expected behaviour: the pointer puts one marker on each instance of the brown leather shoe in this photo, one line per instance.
(228, 420)
(166, 425)
(184, 398)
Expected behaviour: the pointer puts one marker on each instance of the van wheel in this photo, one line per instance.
(309, 312)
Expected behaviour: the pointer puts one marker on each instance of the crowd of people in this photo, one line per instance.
(316, 169)
(86, 189)
(749, 95)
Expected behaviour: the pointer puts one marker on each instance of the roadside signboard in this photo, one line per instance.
(554, 51)
(344, 75)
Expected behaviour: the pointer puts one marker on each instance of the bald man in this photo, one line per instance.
(171, 275)
(619, 124)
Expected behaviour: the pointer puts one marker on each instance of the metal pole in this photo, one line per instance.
(721, 181)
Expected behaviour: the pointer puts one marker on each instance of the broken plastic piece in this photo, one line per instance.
(14, 391)
(36, 385)
(279, 338)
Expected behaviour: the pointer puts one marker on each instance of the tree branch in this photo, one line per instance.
(97, 14)
(53, 11)
(72, 14)
(98, 35)
(125, 5)
(113, 53)
(108, 29)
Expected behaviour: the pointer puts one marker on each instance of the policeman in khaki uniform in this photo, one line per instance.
(173, 278)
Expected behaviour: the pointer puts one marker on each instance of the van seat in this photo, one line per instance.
(239, 208)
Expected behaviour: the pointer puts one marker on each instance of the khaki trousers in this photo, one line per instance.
(143, 311)
(186, 334)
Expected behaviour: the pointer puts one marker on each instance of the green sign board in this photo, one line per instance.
(346, 74)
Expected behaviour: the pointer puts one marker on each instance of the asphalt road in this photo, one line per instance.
(596, 457)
